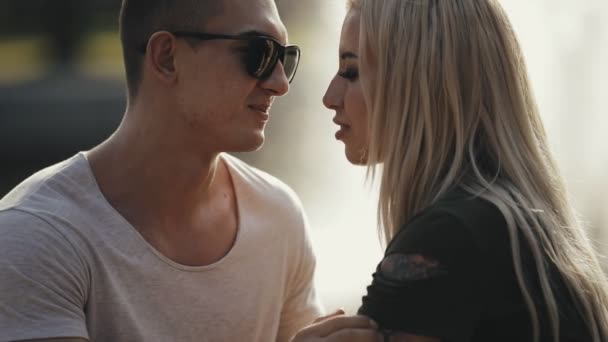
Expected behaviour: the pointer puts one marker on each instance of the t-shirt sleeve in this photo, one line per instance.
(43, 287)
(301, 305)
(430, 282)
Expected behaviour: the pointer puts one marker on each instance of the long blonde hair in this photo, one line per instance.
(450, 104)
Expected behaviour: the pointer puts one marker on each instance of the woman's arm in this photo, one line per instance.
(431, 282)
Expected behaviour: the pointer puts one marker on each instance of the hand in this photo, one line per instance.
(339, 328)
(336, 313)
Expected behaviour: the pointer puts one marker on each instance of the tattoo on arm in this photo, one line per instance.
(410, 267)
(403, 268)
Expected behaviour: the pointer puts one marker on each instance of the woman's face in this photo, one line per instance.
(344, 94)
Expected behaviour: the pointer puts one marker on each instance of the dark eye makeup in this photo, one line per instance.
(349, 73)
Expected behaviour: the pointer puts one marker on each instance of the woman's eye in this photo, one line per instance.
(350, 74)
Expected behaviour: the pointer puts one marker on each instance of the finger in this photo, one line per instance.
(355, 335)
(331, 325)
(326, 317)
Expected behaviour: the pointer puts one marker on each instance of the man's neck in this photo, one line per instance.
(139, 172)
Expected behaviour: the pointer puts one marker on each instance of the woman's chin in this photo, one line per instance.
(357, 157)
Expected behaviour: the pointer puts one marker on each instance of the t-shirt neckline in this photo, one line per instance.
(234, 176)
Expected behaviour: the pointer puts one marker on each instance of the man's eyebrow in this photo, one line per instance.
(254, 33)
(347, 55)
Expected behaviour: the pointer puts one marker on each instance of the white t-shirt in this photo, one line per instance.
(71, 266)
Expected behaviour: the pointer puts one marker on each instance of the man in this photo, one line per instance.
(156, 235)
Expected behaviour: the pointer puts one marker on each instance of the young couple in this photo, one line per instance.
(158, 235)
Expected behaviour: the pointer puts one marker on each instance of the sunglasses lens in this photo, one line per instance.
(264, 54)
(261, 56)
(291, 61)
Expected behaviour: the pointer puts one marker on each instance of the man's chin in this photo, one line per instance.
(251, 145)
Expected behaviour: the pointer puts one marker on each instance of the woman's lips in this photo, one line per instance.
(344, 128)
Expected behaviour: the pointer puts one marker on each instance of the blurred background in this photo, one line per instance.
(62, 91)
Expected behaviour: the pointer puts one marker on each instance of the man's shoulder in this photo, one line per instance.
(21, 229)
(55, 201)
(260, 183)
(47, 188)
(34, 245)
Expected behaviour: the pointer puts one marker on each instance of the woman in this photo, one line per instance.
(483, 245)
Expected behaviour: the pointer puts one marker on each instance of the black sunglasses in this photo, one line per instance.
(262, 54)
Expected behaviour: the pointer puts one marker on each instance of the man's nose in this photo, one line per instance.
(277, 83)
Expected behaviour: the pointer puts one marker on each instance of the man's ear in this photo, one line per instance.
(161, 56)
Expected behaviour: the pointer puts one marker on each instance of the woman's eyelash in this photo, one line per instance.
(349, 74)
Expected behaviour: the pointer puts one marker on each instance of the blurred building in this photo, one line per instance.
(61, 110)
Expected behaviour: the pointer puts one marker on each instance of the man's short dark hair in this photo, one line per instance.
(139, 19)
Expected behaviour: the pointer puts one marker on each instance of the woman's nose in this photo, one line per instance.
(332, 98)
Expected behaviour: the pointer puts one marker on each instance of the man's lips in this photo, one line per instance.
(262, 111)
(263, 108)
